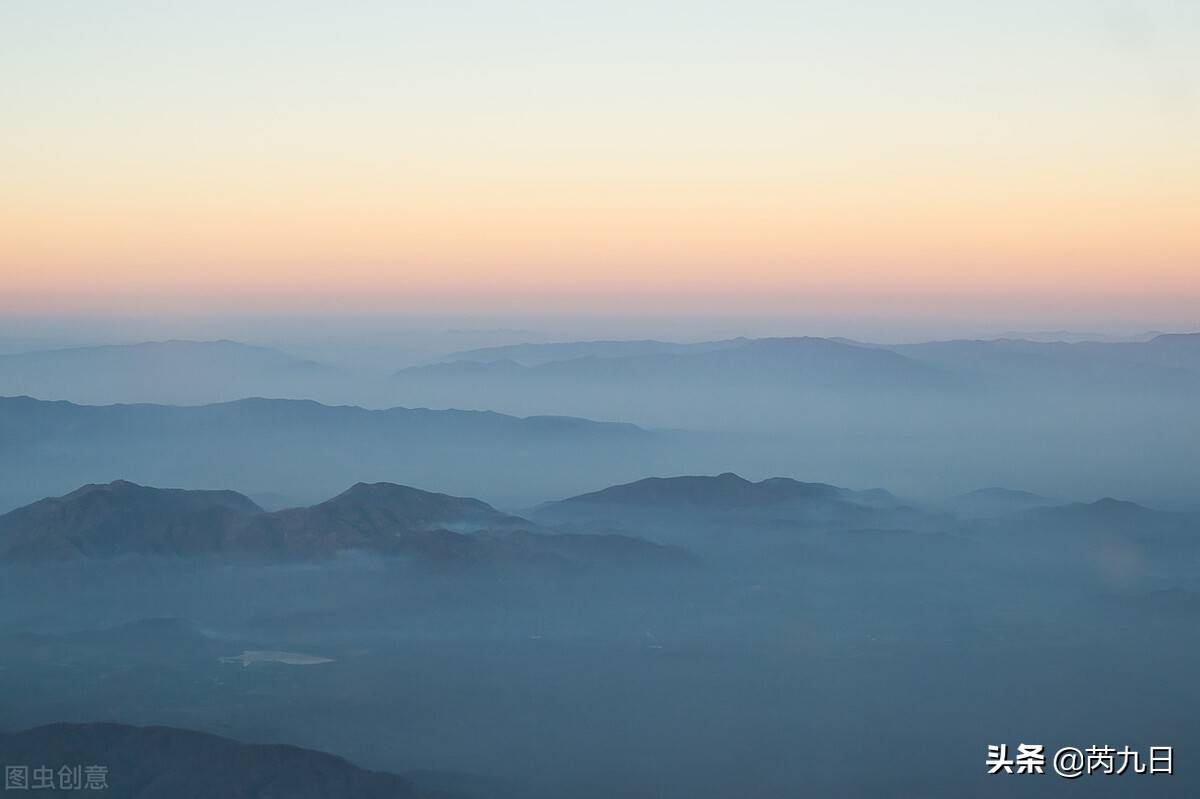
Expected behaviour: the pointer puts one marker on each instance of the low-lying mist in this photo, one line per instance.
(825, 665)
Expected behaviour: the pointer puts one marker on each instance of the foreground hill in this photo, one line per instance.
(171, 763)
(304, 450)
(122, 518)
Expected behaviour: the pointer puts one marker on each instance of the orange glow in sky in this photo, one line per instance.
(781, 150)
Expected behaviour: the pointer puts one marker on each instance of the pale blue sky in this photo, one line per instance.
(218, 147)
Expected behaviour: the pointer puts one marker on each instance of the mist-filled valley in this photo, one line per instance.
(815, 641)
(285, 572)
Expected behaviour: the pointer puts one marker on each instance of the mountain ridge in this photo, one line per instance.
(1170, 358)
(726, 500)
(122, 518)
(173, 370)
(300, 448)
(800, 360)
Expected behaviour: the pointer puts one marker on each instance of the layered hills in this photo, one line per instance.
(122, 518)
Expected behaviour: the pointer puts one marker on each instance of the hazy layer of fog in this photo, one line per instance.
(1072, 420)
(871, 647)
(789, 662)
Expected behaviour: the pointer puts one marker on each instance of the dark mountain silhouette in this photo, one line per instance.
(159, 371)
(727, 519)
(669, 502)
(121, 518)
(995, 501)
(416, 509)
(172, 763)
(301, 449)
(724, 492)
(386, 518)
(98, 521)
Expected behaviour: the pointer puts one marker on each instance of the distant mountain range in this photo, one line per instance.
(172, 763)
(305, 450)
(780, 362)
(1169, 361)
(184, 372)
(589, 378)
(811, 384)
(122, 518)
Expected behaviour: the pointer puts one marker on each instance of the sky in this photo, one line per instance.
(1013, 160)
